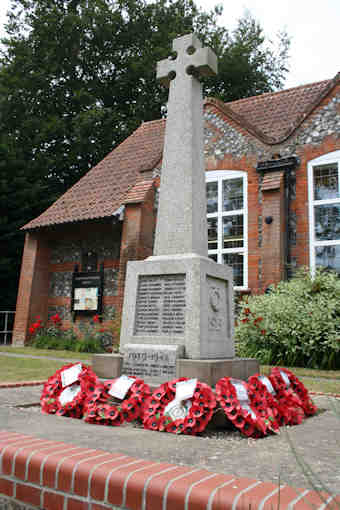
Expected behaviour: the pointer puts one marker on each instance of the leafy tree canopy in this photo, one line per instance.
(78, 76)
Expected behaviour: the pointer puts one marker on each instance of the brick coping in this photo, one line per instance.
(59, 476)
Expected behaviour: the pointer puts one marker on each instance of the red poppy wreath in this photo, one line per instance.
(180, 406)
(233, 397)
(116, 401)
(64, 393)
(262, 397)
(283, 377)
(285, 396)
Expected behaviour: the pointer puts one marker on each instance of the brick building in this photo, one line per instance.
(273, 202)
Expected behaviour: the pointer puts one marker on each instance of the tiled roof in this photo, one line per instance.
(138, 193)
(271, 117)
(104, 188)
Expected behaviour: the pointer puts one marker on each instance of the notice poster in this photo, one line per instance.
(86, 299)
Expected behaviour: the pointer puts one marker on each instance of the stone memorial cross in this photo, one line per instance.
(181, 218)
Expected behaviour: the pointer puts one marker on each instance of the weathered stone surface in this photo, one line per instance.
(153, 363)
(107, 365)
(200, 318)
(60, 284)
(181, 219)
(110, 282)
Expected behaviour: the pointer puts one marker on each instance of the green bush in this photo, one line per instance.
(296, 324)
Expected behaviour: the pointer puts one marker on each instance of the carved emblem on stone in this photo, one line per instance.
(215, 299)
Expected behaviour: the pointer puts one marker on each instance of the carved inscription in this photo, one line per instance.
(150, 363)
(160, 307)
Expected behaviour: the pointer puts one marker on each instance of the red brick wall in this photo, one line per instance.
(32, 297)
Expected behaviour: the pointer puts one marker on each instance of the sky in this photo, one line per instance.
(313, 27)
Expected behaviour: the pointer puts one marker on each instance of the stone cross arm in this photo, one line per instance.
(190, 59)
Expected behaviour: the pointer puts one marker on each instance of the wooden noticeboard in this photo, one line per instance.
(87, 292)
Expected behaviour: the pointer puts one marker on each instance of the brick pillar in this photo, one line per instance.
(274, 226)
(33, 286)
(137, 235)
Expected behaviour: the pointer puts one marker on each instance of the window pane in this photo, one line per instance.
(328, 256)
(327, 222)
(211, 197)
(235, 260)
(326, 183)
(232, 194)
(233, 231)
(212, 233)
(213, 257)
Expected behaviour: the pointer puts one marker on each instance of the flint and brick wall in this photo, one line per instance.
(40, 474)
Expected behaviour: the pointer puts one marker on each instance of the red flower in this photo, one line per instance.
(101, 330)
(245, 320)
(32, 330)
(263, 331)
(197, 416)
(247, 311)
(56, 318)
(96, 318)
(258, 319)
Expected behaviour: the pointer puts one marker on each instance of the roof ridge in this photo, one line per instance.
(278, 92)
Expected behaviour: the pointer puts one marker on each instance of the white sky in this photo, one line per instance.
(313, 25)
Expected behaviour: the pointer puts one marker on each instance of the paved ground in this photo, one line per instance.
(316, 440)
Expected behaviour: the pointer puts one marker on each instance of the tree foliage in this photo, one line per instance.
(78, 76)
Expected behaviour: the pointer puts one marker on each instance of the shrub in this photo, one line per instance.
(296, 324)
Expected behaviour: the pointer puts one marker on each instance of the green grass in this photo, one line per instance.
(306, 372)
(47, 352)
(27, 369)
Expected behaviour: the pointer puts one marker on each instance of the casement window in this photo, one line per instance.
(228, 222)
(324, 211)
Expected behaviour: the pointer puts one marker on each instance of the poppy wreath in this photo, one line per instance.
(101, 408)
(265, 403)
(249, 425)
(199, 411)
(286, 398)
(53, 388)
(299, 389)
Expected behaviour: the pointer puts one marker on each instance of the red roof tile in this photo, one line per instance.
(271, 117)
(138, 193)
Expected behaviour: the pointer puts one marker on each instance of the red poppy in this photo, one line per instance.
(96, 318)
(247, 311)
(199, 409)
(53, 388)
(242, 414)
(245, 320)
(105, 409)
(263, 332)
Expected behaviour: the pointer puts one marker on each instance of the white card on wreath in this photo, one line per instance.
(177, 410)
(185, 389)
(241, 391)
(121, 386)
(267, 384)
(70, 375)
(68, 394)
(285, 378)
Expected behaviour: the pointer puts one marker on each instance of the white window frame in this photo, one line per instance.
(220, 176)
(331, 157)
